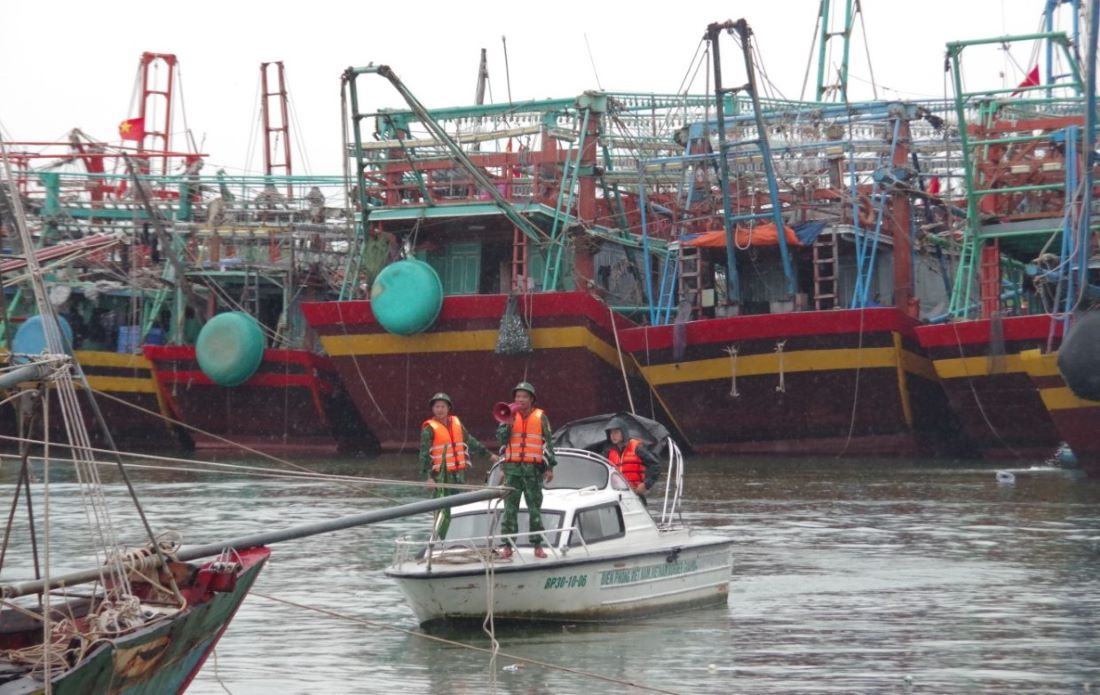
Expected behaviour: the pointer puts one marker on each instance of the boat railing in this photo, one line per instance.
(480, 548)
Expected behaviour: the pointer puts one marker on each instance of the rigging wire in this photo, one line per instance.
(299, 139)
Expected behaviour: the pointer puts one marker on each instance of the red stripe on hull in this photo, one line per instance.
(333, 318)
(292, 403)
(977, 332)
(808, 324)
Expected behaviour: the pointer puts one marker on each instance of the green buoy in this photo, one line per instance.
(230, 348)
(406, 297)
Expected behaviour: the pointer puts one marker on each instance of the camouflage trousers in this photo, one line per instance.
(524, 479)
(443, 516)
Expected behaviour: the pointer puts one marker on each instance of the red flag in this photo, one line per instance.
(1032, 80)
(934, 185)
(132, 129)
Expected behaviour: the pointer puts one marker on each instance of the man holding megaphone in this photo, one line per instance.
(524, 433)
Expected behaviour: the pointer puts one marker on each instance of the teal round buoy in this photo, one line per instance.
(230, 348)
(31, 340)
(406, 297)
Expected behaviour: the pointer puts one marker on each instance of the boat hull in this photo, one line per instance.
(572, 587)
(996, 402)
(573, 363)
(1077, 420)
(822, 383)
(127, 396)
(161, 658)
(294, 401)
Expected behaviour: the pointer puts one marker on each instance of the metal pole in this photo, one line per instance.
(733, 282)
(743, 29)
(266, 538)
(1089, 145)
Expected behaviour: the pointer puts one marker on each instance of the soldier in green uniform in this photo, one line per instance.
(445, 449)
(528, 460)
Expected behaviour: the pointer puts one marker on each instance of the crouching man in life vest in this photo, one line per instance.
(445, 449)
(636, 463)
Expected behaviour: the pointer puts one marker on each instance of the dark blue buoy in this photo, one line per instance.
(1079, 357)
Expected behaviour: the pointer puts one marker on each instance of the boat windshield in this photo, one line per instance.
(478, 525)
(573, 472)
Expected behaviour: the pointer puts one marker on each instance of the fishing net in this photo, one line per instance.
(513, 338)
(376, 254)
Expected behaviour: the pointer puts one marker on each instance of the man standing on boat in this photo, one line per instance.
(445, 452)
(636, 462)
(528, 460)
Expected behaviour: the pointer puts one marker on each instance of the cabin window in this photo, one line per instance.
(480, 524)
(599, 524)
(570, 474)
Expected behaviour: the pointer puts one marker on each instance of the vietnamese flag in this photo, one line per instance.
(132, 129)
(1032, 80)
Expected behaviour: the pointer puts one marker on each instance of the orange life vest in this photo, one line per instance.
(448, 446)
(628, 462)
(526, 444)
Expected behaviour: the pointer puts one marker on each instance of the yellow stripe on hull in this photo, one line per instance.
(122, 384)
(1061, 398)
(960, 367)
(464, 341)
(793, 362)
(121, 360)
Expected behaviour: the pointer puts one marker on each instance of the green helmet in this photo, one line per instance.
(441, 397)
(524, 386)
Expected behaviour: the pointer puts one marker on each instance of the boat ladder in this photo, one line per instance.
(826, 269)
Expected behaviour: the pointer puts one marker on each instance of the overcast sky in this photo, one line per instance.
(74, 64)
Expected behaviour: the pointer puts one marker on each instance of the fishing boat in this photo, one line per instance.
(190, 248)
(608, 558)
(141, 622)
(1026, 246)
(491, 248)
(787, 312)
(681, 299)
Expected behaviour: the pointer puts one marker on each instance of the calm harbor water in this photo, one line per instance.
(865, 577)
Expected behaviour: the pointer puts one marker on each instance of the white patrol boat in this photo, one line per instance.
(607, 557)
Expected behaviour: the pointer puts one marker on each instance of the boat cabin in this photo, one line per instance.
(587, 501)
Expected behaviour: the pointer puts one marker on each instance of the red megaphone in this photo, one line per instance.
(504, 412)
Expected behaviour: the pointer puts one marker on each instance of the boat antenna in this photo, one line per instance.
(507, 73)
(593, 62)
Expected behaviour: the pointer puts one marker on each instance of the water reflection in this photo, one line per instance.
(859, 577)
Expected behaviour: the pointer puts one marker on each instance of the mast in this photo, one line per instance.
(274, 132)
(733, 282)
(156, 99)
(745, 32)
(824, 17)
